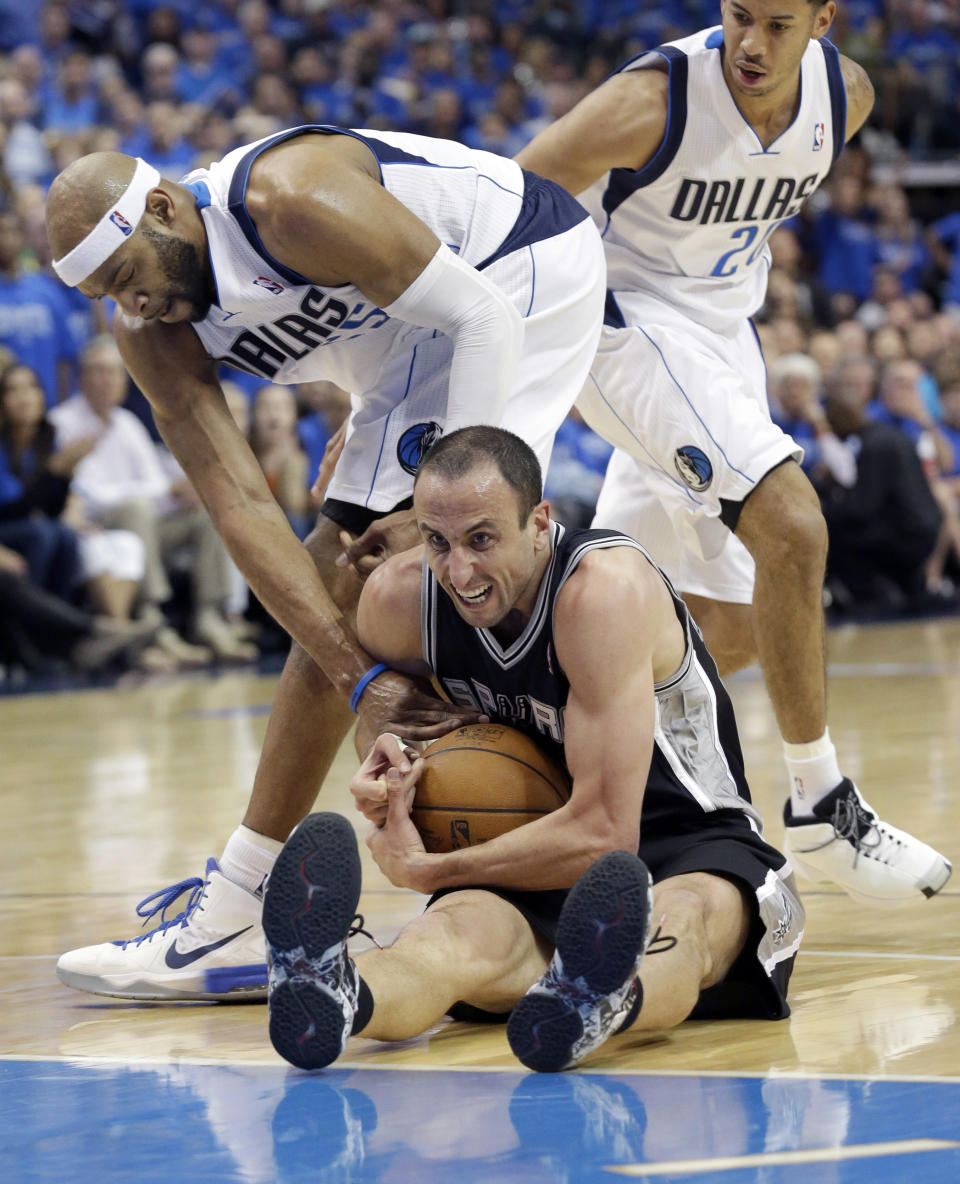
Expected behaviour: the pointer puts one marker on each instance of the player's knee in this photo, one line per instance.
(727, 629)
(487, 939)
(782, 524)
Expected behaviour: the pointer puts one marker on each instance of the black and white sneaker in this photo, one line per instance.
(591, 986)
(846, 843)
(309, 911)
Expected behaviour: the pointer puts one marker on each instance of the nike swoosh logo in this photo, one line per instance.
(176, 961)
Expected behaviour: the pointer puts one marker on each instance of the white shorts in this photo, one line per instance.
(690, 406)
(558, 286)
(116, 553)
(630, 502)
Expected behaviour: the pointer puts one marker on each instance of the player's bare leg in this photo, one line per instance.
(471, 946)
(474, 947)
(309, 719)
(831, 831)
(708, 919)
(783, 529)
(727, 629)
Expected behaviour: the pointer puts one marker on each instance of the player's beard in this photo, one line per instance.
(183, 270)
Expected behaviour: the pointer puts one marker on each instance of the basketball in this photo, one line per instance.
(481, 781)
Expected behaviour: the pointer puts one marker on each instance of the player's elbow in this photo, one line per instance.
(601, 831)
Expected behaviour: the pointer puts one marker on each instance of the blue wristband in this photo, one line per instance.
(362, 684)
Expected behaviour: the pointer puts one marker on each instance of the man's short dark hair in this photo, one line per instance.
(453, 456)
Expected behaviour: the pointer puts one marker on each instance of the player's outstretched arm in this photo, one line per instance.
(619, 125)
(169, 365)
(319, 207)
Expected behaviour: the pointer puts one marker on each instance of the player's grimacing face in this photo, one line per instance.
(483, 558)
(764, 40)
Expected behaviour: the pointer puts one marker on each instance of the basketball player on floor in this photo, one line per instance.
(576, 638)
(688, 158)
(441, 286)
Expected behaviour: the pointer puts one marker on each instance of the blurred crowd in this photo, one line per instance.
(106, 557)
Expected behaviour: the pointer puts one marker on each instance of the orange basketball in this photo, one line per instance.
(481, 781)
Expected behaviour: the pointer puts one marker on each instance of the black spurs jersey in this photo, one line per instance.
(697, 764)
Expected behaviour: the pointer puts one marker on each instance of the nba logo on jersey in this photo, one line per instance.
(818, 131)
(121, 223)
(264, 281)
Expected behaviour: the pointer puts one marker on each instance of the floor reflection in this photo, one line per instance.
(259, 1125)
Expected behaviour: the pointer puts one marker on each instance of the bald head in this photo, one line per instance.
(82, 194)
(117, 228)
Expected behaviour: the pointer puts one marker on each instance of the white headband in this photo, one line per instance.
(117, 224)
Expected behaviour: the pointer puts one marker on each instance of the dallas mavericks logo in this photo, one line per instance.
(694, 467)
(264, 281)
(414, 443)
(818, 132)
(121, 223)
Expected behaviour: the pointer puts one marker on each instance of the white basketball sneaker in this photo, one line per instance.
(214, 949)
(846, 843)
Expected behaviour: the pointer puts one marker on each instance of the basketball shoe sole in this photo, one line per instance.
(591, 984)
(309, 906)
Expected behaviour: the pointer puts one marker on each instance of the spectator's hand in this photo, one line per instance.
(331, 454)
(391, 759)
(12, 561)
(66, 459)
(396, 846)
(395, 703)
(386, 536)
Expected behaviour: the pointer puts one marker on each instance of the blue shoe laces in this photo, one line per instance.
(165, 898)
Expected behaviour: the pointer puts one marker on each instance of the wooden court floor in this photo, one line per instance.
(109, 795)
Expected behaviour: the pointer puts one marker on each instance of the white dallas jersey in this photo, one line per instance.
(274, 322)
(691, 226)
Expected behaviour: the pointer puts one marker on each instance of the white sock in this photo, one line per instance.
(248, 858)
(813, 772)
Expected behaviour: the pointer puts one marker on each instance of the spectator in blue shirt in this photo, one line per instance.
(943, 238)
(845, 244)
(899, 241)
(577, 468)
(34, 316)
(71, 104)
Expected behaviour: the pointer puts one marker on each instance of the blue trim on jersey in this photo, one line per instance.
(533, 280)
(200, 192)
(715, 40)
(692, 408)
(202, 196)
(838, 95)
(623, 183)
(386, 425)
(546, 211)
(391, 154)
(653, 460)
(237, 200)
(612, 315)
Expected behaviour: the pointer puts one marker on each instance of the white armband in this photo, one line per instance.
(486, 330)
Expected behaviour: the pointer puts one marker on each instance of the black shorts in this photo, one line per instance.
(728, 846)
(356, 518)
